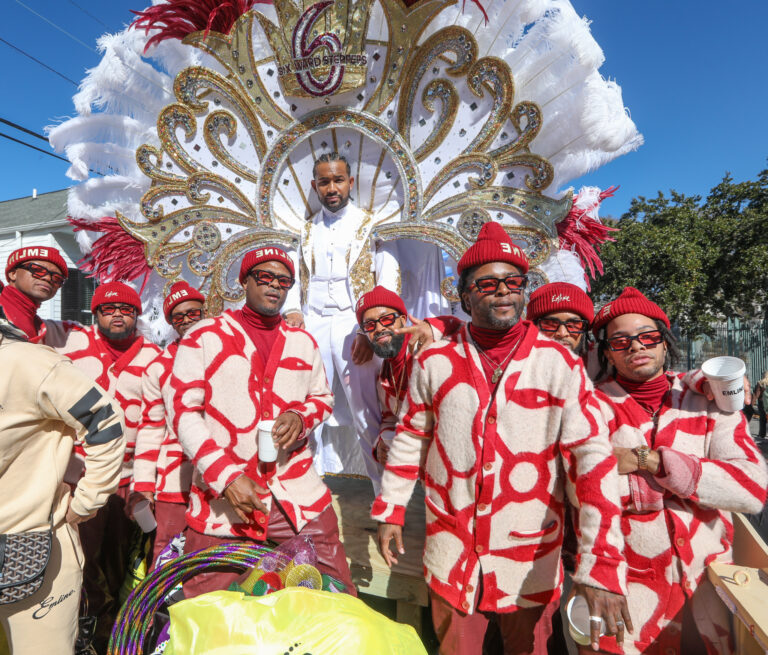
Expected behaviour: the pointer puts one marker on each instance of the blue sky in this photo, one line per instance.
(693, 75)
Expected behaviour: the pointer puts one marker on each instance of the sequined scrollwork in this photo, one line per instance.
(235, 52)
(479, 162)
(405, 27)
(222, 122)
(492, 74)
(191, 81)
(171, 118)
(463, 46)
(539, 210)
(150, 161)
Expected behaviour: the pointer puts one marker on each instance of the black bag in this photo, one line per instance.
(23, 558)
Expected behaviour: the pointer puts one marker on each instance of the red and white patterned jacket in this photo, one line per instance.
(121, 379)
(220, 393)
(496, 471)
(677, 523)
(160, 466)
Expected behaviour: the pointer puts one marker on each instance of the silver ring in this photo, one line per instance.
(619, 623)
(595, 619)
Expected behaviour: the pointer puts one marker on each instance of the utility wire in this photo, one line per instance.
(29, 145)
(85, 45)
(45, 152)
(26, 54)
(54, 25)
(23, 129)
(88, 13)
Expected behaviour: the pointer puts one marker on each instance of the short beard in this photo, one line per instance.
(118, 336)
(499, 323)
(391, 349)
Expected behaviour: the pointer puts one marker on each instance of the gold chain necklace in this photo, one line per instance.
(499, 370)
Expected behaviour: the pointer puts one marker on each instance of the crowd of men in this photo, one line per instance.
(525, 434)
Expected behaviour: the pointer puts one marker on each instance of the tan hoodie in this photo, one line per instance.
(45, 404)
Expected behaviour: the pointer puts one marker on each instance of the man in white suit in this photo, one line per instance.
(337, 263)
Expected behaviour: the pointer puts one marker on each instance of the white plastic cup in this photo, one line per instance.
(267, 447)
(726, 380)
(577, 612)
(142, 514)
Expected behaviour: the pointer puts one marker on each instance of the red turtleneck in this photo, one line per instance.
(116, 348)
(648, 394)
(398, 366)
(497, 345)
(21, 311)
(262, 329)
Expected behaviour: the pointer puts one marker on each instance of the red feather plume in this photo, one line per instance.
(177, 18)
(115, 255)
(583, 234)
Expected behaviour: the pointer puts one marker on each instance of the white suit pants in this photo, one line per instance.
(359, 406)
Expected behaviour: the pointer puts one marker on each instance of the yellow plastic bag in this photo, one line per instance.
(294, 620)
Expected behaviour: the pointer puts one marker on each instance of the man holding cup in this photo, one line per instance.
(162, 474)
(232, 374)
(684, 466)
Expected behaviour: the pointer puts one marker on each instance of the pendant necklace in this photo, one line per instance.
(499, 366)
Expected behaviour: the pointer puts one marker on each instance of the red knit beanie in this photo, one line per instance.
(559, 297)
(379, 297)
(180, 292)
(630, 301)
(493, 245)
(36, 253)
(115, 292)
(260, 255)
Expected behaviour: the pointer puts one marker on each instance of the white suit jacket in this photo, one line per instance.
(368, 263)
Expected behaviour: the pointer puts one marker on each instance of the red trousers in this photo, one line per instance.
(523, 632)
(171, 521)
(324, 530)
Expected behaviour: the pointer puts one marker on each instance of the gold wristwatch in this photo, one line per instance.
(641, 452)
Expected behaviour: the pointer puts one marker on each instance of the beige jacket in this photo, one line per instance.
(45, 404)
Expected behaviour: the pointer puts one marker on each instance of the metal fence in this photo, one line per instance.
(749, 341)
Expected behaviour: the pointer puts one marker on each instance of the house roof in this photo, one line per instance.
(33, 213)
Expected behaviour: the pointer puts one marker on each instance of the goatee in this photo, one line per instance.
(390, 349)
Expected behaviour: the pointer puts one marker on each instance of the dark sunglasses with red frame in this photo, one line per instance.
(388, 320)
(488, 285)
(262, 277)
(41, 272)
(110, 308)
(648, 339)
(194, 314)
(572, 325)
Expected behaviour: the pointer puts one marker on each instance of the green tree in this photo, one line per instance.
(702, 260)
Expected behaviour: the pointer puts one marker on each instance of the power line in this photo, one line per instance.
(54, 25)
(26, 54)
(23, 129)
(45, 152)
(85, 45)
(29, 145)
(88, 13)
